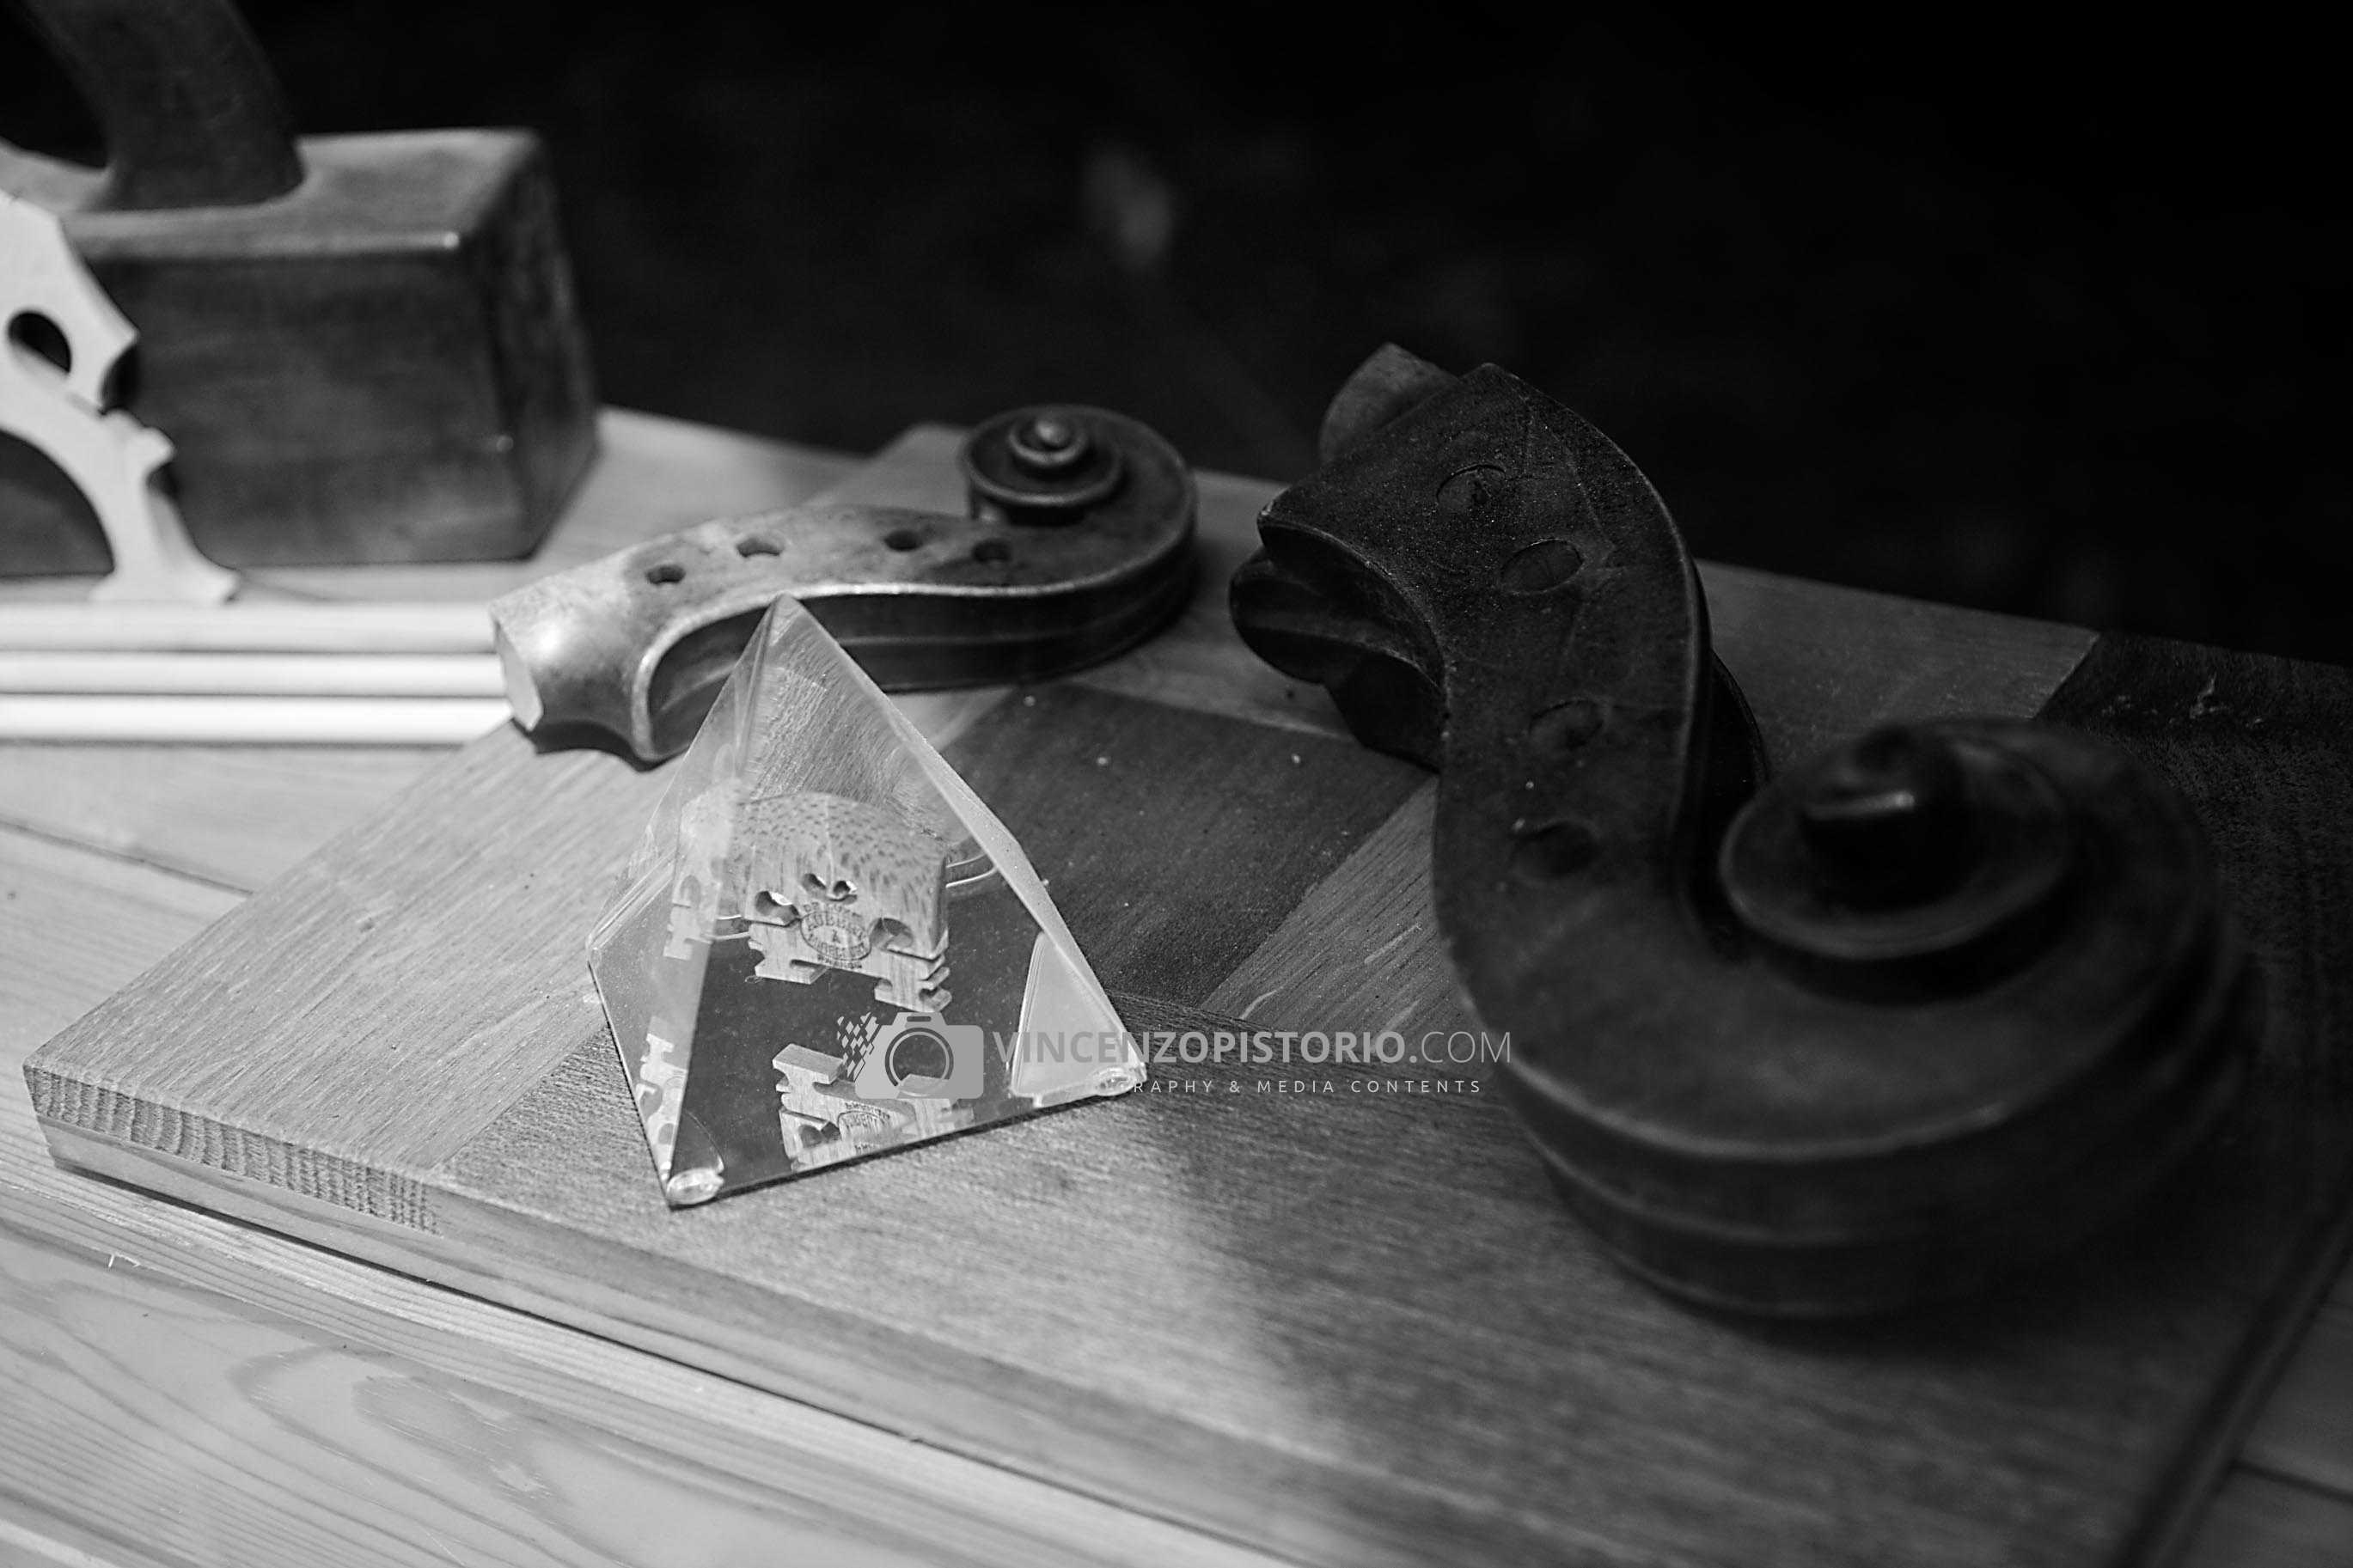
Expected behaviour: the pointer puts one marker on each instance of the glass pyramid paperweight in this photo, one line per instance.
(827, 947)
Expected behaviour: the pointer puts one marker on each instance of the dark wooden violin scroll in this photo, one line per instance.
(1928, 1006)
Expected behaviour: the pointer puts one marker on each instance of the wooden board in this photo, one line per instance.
(179, 1389)
(1337, 1326)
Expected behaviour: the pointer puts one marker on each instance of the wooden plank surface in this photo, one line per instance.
(1181, 661)
(610, 1444)
(210, 1393)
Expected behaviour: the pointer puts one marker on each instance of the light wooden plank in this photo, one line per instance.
(33, 1537)
(2257, 1521)
(239, 816)
(75, 927)
(243, 816)
(196, 1427)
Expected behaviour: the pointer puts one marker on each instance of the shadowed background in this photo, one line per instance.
(2043, 323)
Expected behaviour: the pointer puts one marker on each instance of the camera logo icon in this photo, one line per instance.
(917, 1056)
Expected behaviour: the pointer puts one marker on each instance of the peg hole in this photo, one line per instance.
(41, 336)
(1565, 726)
(903, 539)
(753, 544)
(668, 573)
(1551, 851)
(1541, 567)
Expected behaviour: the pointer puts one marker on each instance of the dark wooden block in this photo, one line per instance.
(383, 364)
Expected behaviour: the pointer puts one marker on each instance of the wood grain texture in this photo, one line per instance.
(2258, 746)
(1361, 951)
(194, 1430)
(399, 1075)
(652, 1435)
(209, 1393)
(1257, 817)
(80, 925)
(33, 1537)
(1255, 1271)
(1348, 1327)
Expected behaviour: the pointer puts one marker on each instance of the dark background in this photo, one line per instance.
(1978, 309)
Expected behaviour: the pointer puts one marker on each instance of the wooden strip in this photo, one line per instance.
(32, 1537)
(2257, 1521)
(253, 720)
(254, 674)
(242, 816)
(243, 628)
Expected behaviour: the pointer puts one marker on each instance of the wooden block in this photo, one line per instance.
(1333, 1322)
(382, 365)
